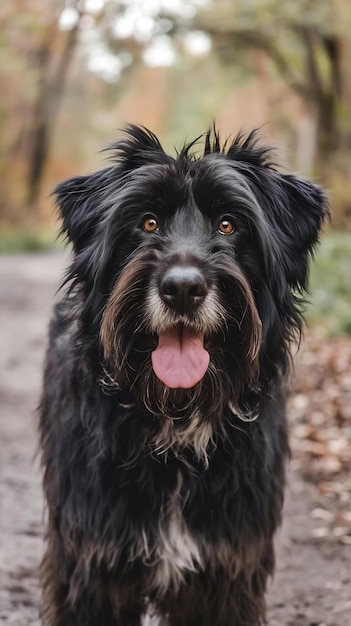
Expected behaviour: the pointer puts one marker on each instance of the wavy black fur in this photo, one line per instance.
(166, 500)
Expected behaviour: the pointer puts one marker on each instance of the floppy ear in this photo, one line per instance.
(304, 206)
(79, 201)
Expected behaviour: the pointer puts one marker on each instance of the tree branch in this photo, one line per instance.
(252, 39)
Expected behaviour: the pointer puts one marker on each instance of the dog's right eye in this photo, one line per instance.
(150, 224)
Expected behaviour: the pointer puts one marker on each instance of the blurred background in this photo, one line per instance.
(72, 74)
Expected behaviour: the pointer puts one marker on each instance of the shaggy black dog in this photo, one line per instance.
(162, 417)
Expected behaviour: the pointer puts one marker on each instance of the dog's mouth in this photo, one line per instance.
(180, 360)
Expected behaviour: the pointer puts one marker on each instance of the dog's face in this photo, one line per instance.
(190, 270)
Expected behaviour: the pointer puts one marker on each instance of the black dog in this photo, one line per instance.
(162, 417)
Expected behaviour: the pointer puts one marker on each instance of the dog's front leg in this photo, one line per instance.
(220, 599)
(73, 596)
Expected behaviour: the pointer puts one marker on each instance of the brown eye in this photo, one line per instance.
(225, 226)
(150, 224)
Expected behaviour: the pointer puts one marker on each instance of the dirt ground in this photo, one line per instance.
(312, 585)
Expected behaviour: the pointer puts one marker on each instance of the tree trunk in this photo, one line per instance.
(37, 133)
(51, 89)
(325, 94)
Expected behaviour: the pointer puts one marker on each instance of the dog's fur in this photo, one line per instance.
(165, 500)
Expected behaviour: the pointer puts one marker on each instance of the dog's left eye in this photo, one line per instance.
(226, 226)
(150, 224)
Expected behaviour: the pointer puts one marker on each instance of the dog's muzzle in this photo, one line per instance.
(180, 359)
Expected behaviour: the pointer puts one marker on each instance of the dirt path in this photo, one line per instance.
(312, 586)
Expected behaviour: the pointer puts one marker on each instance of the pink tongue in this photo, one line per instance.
(180, 359)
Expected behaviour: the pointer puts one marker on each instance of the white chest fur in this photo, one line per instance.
(174, 551)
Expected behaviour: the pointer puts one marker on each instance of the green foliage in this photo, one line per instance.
(13, 241)
(330, 285)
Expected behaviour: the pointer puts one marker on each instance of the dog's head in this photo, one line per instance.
(192, 269)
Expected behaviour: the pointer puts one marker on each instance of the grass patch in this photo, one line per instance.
(14, 241)
(330, 285)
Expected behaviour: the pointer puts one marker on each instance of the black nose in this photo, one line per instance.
(183, 288)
